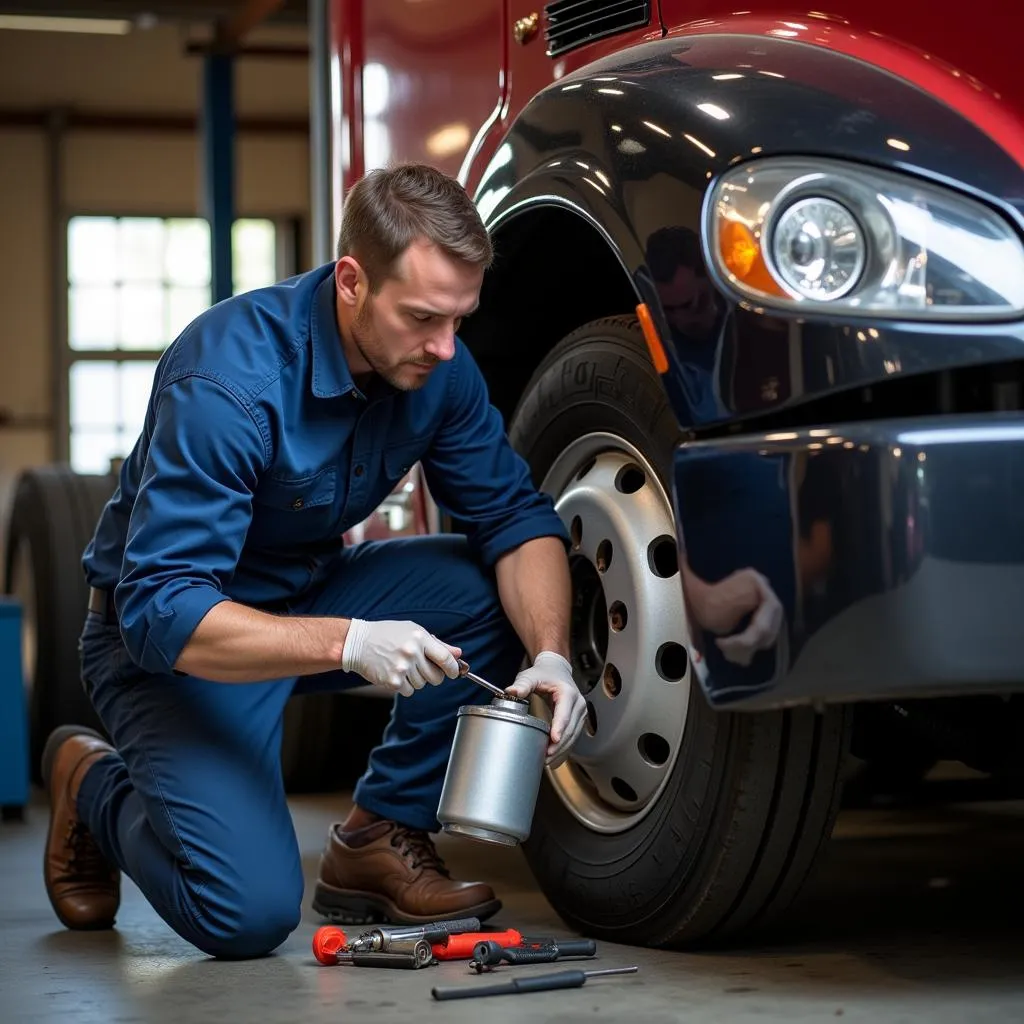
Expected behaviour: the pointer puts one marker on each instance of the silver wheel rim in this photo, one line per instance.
(23, 589)
(630, 638)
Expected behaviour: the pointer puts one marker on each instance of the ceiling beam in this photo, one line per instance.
(128, 121)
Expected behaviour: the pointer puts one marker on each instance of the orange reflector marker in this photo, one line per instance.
(654, 345)
(741, 254)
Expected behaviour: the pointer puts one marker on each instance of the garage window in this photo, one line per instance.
(134, 283)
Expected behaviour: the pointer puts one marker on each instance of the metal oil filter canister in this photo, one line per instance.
(490, 788)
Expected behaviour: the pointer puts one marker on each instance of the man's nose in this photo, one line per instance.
(442, 345)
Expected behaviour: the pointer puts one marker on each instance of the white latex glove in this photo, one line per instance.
(398, 656)
(551, 677)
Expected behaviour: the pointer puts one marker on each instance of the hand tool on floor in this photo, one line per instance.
(395, 961)
(497, 691)
(460, 947)
(330, 946)
(380, 939)
(533, 983)
(488, 954)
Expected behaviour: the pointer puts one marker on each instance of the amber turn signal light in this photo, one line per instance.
(741, 255)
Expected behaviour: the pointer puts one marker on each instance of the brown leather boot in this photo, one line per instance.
(84, 888)
(386, 872)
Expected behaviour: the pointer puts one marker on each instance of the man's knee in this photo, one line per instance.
(242, 921)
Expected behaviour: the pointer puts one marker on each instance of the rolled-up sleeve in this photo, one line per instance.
(190, 517)
(478, 477)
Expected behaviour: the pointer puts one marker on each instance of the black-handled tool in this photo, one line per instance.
(488, 953)
(530, 983)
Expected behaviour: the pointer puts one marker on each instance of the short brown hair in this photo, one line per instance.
(388, 209)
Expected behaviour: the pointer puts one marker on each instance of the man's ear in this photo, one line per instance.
(350, 281)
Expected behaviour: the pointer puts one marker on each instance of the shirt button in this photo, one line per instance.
(359, 471)
(297, 503)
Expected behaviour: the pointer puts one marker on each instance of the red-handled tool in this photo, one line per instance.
(330, 946)
(460, 947)
(328, 942)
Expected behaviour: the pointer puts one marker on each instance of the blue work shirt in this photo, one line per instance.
(259, 451)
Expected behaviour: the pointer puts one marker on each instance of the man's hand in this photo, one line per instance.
(720, 606)
(398, 656)
(551, 676)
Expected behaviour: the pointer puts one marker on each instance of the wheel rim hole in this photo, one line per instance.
(591, 725)
(586, 468)
(630, 479)
(576, 531)
(604, 555)
(654, 749)
(612, 681)
(618, 617)
(624, 790)
(671, 662)
(662, 557)
(588, 622)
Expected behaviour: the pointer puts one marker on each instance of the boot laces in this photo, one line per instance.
(419, 847)
(86, 859)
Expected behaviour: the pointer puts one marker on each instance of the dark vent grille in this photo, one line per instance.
(573, 23)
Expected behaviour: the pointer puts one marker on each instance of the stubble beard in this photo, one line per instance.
(368, 346)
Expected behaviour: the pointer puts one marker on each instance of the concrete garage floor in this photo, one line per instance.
(915, 917)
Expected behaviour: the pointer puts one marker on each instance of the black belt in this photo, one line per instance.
(102, 603)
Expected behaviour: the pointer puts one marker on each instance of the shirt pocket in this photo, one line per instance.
(400, 458)
(289, 510)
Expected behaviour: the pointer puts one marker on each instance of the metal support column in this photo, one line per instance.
(218, 138)
(60, 353)
(320, 130)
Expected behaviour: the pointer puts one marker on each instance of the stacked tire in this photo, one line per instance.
(53, 513)
(52, 516)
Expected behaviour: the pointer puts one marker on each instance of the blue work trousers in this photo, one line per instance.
(192, 807)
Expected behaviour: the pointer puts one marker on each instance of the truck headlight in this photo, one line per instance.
(822, 235)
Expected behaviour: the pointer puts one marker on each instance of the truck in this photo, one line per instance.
(755, 324)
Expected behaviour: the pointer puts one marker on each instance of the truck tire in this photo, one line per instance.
(52, 517)
(671, 824)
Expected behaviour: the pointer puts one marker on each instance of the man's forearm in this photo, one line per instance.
(237, 644)
(536, 593)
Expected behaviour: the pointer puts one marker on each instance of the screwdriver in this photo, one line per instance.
(480, 681)
(534, 983)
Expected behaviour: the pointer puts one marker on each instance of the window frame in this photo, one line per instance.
(289, 236)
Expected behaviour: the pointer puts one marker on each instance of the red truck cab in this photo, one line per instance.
(756, 325)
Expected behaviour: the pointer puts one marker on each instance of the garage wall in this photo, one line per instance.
(24, 299)
(143, 74)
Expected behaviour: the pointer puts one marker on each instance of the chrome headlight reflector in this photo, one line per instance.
(843, 239)
(818, 248)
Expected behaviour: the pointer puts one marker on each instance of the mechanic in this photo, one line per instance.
(221, 585)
